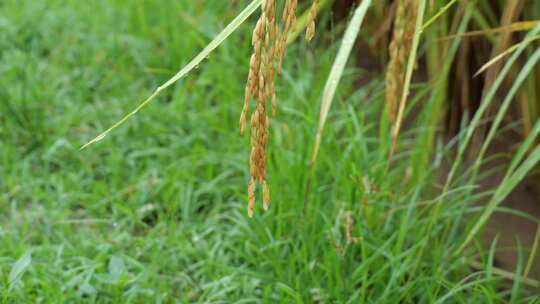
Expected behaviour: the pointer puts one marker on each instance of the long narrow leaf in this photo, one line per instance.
(337, 71)
(438, 14)
(502, 55)
(218, 40)
(532, 253)
(513, 27)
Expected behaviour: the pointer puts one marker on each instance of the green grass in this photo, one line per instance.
(156, 212)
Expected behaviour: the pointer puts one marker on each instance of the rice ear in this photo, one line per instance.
(399, 48)
(310, 30)
(269, 42)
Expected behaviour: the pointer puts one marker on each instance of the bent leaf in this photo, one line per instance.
(218, 40)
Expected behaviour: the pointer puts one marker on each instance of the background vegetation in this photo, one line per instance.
(156, 211)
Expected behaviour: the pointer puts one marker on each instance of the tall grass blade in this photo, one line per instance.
(19, 268)
(517, 281)
(532, 254)
(491, 257)
(330, 87)
(218, 40)
(337, 71)
(508, 51)
(438, 14)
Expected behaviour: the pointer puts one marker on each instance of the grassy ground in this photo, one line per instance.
(157, 211)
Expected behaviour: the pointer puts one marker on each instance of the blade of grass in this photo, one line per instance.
(218, 40)
(336, 73)
(513, 27)
(438, 14)
(532, 255)
(466, 283)
(517, 282)
(502, 55)
(525, 147)
(491, 258)
(506, 274)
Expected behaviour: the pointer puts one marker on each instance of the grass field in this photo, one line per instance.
(156, 212)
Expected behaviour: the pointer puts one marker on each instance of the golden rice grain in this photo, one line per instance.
(310, 30)
(288, 20)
